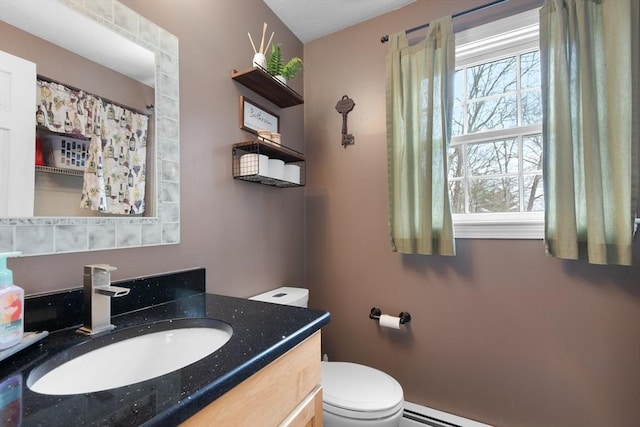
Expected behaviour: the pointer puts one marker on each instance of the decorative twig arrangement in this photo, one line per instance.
(274, 64)
(263, 48)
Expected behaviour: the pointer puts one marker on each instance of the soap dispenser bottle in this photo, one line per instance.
(11, 305)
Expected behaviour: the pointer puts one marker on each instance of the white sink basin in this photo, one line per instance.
(130, 360)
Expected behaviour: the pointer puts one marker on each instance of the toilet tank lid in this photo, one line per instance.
(285, 295)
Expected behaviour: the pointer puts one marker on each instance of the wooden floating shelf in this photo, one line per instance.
(268, 87)
(271, 149)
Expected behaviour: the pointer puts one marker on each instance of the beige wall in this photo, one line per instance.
(249, 237)
(500, 333)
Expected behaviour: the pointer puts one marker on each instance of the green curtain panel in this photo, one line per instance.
(419, 114)
(589, 56)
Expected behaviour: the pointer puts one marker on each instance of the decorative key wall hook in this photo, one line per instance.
(344, 106)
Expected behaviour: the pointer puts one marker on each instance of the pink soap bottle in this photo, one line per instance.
(11, 305)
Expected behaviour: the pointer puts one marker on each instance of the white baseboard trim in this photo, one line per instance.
(433, 417)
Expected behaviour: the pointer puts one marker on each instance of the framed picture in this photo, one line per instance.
(253, 117)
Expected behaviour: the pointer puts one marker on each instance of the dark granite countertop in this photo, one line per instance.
(261, 333)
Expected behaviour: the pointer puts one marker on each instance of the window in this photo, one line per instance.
(495, 158)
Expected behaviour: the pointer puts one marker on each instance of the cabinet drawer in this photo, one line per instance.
(269, 396)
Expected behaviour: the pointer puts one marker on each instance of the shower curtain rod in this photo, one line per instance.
(385, 39)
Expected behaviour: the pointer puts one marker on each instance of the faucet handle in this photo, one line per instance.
(112, 291)
(98, 268)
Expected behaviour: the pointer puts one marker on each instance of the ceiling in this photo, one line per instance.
(311, 19)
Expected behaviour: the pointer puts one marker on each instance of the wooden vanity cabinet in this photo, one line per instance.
(286, 392)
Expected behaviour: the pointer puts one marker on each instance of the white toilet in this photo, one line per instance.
(352, 395)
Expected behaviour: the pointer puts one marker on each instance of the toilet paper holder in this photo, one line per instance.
(376, 313)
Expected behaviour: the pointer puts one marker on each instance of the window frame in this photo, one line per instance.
(506, 37)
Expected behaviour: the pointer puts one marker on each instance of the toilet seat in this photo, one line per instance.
(361, 392)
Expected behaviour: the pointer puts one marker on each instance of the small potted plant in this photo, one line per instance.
(274, 61)
(292, 68)
(281, 71)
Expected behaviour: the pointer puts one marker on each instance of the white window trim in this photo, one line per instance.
(491, 135)
(523, 225)
(503, 37)
(471, 46)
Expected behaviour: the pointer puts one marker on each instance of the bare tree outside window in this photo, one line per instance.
(495, 165)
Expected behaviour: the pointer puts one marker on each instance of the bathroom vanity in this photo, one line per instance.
(287, 392)
(268, 373)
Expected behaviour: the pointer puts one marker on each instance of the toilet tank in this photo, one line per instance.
(285, 295)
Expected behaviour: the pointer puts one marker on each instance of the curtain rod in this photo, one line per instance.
(385, 39)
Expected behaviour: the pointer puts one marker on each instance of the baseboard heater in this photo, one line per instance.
(419, 416)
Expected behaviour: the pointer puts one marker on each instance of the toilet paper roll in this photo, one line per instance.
(387, 321)
(276, 169)
(292, 173)
(254, 164)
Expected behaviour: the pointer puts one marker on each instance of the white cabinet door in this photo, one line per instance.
(17, 136)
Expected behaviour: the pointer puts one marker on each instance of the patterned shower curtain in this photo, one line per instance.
(114, 177)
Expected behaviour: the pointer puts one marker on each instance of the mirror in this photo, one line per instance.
(99, 21)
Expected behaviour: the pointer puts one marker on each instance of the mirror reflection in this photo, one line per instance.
(81, 165)
(118, 71)
(89, 145)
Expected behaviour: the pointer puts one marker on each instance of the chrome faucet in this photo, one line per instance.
(97, 298)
